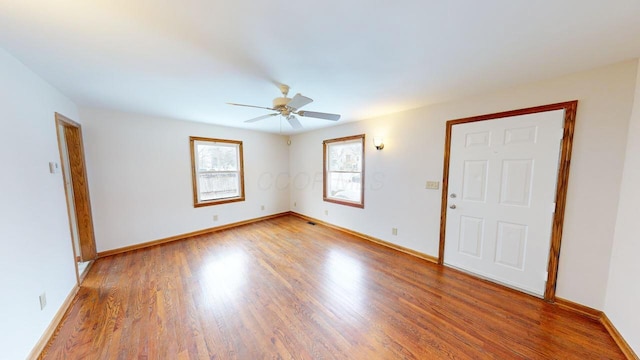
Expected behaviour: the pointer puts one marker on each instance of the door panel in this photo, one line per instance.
(481, 139)
(471, 233)
(515, 185)
(511, 245)
(80, 193)
(474, 180)
(520, 135)
(502, 182)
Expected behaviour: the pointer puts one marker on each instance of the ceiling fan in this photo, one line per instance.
(289, 107)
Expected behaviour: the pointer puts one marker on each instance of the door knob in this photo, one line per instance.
(453, 196)
(452, 206)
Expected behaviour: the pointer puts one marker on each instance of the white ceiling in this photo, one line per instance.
(359, 58)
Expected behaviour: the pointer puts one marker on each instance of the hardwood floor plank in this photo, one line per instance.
(285, 289)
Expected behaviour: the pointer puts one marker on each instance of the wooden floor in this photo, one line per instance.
(285, 289)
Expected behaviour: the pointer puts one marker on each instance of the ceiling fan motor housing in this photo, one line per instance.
(280, 102)
(289, 107)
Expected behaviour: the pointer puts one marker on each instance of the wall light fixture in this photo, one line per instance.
(378, 142)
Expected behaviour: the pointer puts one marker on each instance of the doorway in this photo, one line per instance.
(504, 193)
(77, 193)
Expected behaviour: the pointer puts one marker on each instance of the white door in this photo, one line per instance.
(502, 187)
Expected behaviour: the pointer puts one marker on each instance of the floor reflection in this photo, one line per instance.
(225, 274)
(345, 284)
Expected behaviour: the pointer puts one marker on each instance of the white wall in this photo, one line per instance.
(395, 194)
(140, 171)
(36, 253)
(140, 184)
(623, 291)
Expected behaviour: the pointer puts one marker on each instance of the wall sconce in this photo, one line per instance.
(378, 143)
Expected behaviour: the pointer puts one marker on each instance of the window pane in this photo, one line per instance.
(344, 186)
(218, 157)
(345, 156)
(217, 171)
(218, 186)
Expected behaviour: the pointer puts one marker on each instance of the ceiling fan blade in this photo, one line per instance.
(319, 115)
(298, 101)
(253, 106)
(294, 122)
(260, 118)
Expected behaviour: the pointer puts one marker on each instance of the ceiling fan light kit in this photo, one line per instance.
(289, 107)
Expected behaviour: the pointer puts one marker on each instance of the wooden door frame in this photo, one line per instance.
(570, 108)
(82, 204)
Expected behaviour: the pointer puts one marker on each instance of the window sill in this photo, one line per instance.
(218, 202)
(343, 202)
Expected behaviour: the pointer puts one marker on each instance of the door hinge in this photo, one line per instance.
(553, 208)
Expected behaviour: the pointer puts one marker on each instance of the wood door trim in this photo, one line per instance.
(566, 146)
(561, 198)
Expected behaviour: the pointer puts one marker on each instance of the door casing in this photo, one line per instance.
(72, 134)
(570, 109)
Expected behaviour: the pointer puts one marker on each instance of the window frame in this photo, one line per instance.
(194, 172)
(325, 170)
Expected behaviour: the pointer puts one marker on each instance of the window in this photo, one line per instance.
(344, 170)
(217, 171)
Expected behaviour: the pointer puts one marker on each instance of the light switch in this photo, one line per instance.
(434, 185)
(54, 167)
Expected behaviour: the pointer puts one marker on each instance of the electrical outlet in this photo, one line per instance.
(394, 231)
(43, 300)
(435, 185)
(326, 212)
(295, 204)
(215, 217)
(261, 207)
